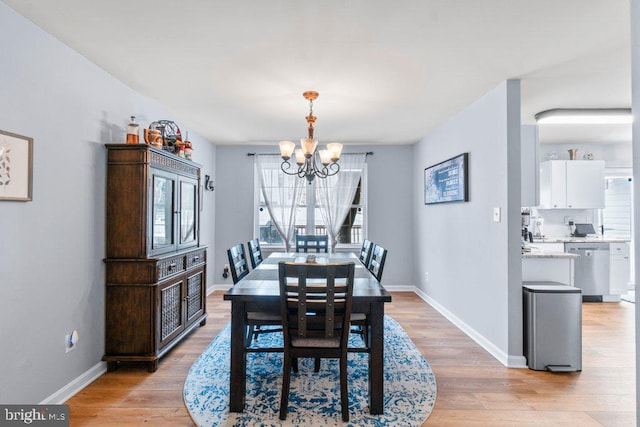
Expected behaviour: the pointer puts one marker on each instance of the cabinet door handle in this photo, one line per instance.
(196, 258)
(172, 266)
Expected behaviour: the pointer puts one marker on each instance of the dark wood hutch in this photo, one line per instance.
(155, 266)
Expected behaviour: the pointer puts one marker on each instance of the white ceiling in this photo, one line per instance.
(387, 71)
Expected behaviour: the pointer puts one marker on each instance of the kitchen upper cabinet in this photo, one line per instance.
(529, 165)
(572, 184)
(619, 268)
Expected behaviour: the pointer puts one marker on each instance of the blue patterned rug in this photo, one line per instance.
(410, 386)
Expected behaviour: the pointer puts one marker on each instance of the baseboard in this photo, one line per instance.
(401, 288)
(69, 390)
(218, 287)
(507, 360)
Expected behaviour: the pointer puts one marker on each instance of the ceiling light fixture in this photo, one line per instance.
(585, 116)
(306, 157)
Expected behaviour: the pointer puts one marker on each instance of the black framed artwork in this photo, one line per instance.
(16, 167)
(447, 181)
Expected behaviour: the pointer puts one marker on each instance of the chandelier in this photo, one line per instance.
(307, 157)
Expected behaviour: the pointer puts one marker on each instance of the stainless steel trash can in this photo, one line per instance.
(552, 314)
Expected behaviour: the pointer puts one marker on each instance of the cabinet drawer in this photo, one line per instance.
(195, 258)
(170, 266)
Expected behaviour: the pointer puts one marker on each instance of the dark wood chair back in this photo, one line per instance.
(313, 243)
(316, 300)
(378, 258)
(255, 253)
(315, 305)
(365, 252)
(237, 262)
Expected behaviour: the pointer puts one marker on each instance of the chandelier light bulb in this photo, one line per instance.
(300, 157)
(286, 149)
(335, 148)
(325, 157)
(308, 146)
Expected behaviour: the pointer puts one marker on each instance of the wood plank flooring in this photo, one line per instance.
(473, 388)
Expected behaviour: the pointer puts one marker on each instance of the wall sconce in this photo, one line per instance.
(208, 183)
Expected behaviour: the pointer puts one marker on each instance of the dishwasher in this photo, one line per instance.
(591, 269)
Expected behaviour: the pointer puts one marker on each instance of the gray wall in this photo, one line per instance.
(51, 250)
(635, 101)
(468, 265)
(389, 201)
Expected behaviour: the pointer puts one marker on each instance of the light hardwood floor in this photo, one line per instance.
(473, 388)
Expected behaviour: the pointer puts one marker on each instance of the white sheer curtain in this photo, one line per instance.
(335, 193)
(281, 194)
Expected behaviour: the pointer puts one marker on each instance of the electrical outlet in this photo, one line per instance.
(71, 341)
(67, 344)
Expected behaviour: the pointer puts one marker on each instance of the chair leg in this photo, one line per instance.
(365, 334)
(295, 365)
(316, 367)
(286, 378)
(247, 341)
(344, 390)
(256, 332)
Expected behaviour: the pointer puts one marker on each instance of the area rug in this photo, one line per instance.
(409, 388)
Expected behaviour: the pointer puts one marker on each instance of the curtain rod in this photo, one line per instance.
(366, 153)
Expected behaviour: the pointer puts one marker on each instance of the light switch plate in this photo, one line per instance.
(496, 214)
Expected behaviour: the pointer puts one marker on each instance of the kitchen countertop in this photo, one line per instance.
(588, 239)
(538, 253)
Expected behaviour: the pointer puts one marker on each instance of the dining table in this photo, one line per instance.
(260, 291)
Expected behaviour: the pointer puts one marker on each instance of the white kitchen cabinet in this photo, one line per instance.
(529, 165)
(548, 269)
(572, 184)
(619, 268)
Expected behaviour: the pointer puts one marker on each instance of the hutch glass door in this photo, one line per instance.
(188, 211)
(163, 209)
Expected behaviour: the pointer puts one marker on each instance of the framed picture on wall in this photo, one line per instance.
(16, 161)
(447, 181)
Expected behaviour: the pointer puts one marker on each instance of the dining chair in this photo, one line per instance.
(377, 258)
(359, 320)
(365, 252)
(315, 306)
(317, 243)
(255, 252)
(237, 262)
(376, 263)
(255, 319)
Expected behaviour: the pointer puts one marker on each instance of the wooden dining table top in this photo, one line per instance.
(263, 280)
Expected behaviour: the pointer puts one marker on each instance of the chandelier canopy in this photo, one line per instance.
(307, 156)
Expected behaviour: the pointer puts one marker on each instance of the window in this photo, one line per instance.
(616, 217)
(309, 217)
